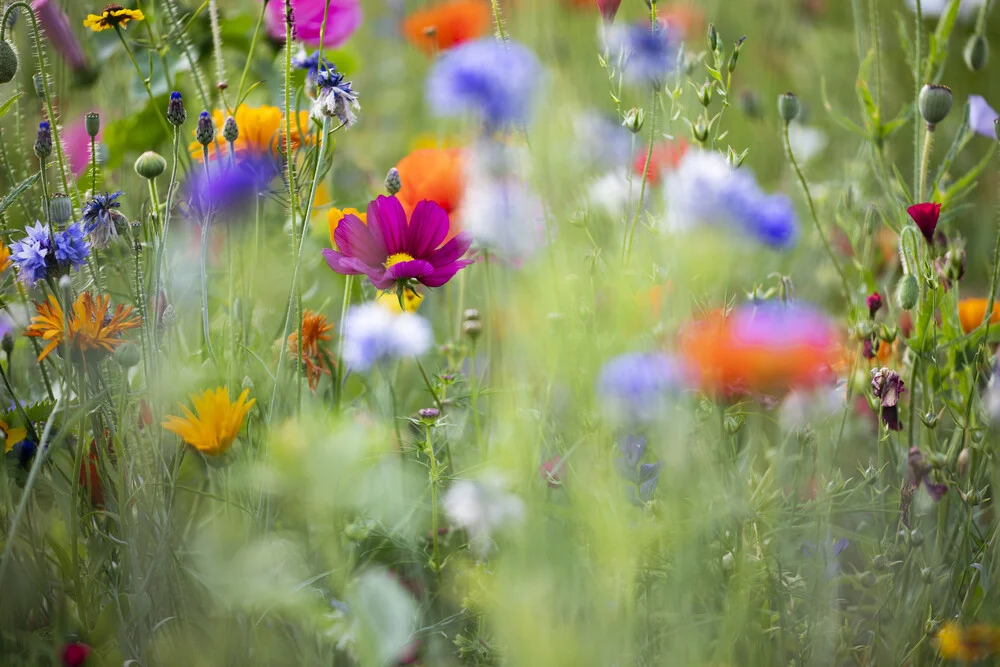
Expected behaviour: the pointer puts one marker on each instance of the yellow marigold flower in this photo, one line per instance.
(315, 329)
(972, 644)
(11, 436)
(259, 131)
(334, 216)
(111, 17)
(4, 257)
(411, 299)
(217, 423)
(92, 330)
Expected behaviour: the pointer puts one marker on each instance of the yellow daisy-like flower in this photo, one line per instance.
(217, 423)
(260, 130)
(389, 300)
(112, 16)
(4, 257)
(11, 436)
(335, 215)
(971, 644)
(92, 330)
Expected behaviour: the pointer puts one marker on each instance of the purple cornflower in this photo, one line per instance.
(648, 53)
(887, 387)
(981, 116)
(493, 80)
(828, 551)
(918, 470)
(643, 476)
(40, 256)
(706, 189)
(634, 385)
(101, 218)
(228, 189)
(335, 98)
(312, 63)
(392, 250)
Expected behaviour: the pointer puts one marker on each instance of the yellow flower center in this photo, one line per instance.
(396, 259)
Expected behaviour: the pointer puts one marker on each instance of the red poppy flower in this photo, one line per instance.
(926, 216)
(75, 654)
(666, 156)
(608, 9)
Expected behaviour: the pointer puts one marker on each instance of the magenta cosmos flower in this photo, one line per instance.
(343, 19)
(389, 249)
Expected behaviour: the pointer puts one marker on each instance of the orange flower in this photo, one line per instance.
(4, 257)
(260, 129)
(436, 174)
(91, 329)
(446, 25)
(760, 349)
(971, 644)
(684, 17)
(315, 329)
(972, 311)
(666, 156)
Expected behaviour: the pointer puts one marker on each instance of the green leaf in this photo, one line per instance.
(837, 117)
(6, 106)
(16, 193)
(133, 134)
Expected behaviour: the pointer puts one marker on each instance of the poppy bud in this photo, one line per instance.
(964, 457)
(43, 142)
(788, 106)
(750, 104)
(176, 114)
(8, 62)
(39, 83)
(874, 302)
(907, 292)
(169, 317)
(393, 182)
(92, 121)
(471, 325)
(977, 52)
(150, 165)
(634, 118)
(230, 132)
(916, 537)
(128, 355)
(934, 103)
(60, 208)
(7, 342)
(205, 132)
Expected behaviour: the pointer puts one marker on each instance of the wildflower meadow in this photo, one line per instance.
(527, 333)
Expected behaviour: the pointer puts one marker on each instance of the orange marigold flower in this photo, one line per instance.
(217, 423)
(92, 331)
(971, 644)
(4, 257)
(446, 25)
(315, 329)
(972, 311)
(437, 174)
(260, 130)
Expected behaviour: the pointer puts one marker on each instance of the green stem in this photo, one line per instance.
(253, 48)
(430, 387)
(498, 19)
(339, 374)
(925, 157)
(205, 226)
(474, 402)
(434, 474)
(916, 91)
(145, 81)
(988, 313)
(630, 229)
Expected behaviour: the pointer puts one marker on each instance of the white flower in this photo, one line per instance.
(336, 98)
(807, 142)
(481, 507)
(373, 333)
(610, 193)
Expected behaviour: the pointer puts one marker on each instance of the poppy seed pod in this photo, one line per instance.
(60, 208)
(976, 53)
(128, 355)
(8, 62)
(150, 165)
(934, 103)
(907, 292)
(788, 106)
(93, 123)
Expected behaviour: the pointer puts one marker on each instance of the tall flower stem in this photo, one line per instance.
(498, 19)
(430, 387)
(205, 226)
(253, 48)
(220, 61)
(474, 402)
(145, 81)
(630, 228)
(988, 313)
(434, 475)
(339, 373)
(917, 59)
(925, 157)
(815, 217)
(160, 246)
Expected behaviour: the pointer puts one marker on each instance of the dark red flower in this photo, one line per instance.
(926, 216)
(608, 8)
(887, 387)
(75, 654)
(918, 470)
(874, 302)
(553, 472)
(868, 349)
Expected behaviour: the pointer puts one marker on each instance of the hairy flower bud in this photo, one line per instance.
(934, 103)
(230, 132)
(176, 114)
(43, 142)
(788, 106)
(907, 292)
(150, 165)
(128, 355)
(8, 62)
(204, 134)
(60, 208)
(977, 52)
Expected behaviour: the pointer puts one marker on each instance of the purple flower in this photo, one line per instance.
(917, 471)
(828, 551)
(60, 34)
(648, 53)
(635, 385)
(229, 189)
(335, 98)
(887, 386)
(312, 63)
(981, 117)
(342, 19)
(643, 476)
(101, 218)
(391, 250)
(493, 80)
(40, 256)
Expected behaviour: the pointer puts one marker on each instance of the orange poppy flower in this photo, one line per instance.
(436, 174)
(665, 157)
(446, 25)
(760, 349)
(972, 311)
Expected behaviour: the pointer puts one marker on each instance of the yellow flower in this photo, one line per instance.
(334, 216)
(92, 330)
(259, 132)
(977, 642)
(4, 257)
(217, 423)
(411, 299)
(11, 436)
(112, 16)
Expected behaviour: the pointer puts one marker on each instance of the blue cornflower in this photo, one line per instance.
(647, 53)
(101, 218)
(827, 553)
(230, 188)
(634, 385)
(706, 189)
(313, 63)
(373, 333)
(40, 255)
(644, 477)
(335, 98)
(487, 78)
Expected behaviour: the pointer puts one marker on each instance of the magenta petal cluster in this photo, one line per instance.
(342, 19)
(391, 248)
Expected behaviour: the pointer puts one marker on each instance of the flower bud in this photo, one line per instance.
(43, 142)
(634, 118)
(700, 130)
(429, 415)
(7, 342)
(39, 83)
(713, 37)
(93, 123)
(128, 355)
(916, 537)
(977, 52)
(176, 114)
(8, 62)
(204, 134)
(60, 208)
(750, 104)
(934, 103)
(150, 165)
(874, 302)
(788, 106)
(230, 132)
(964, 458)
(169, 317)
(927, 575)
(393, 182)
(472, 328)
(247, 383)
(736, 53)
(907, 292)
(705, 94)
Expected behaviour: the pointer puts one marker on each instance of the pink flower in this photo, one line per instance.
(926, 217)
(60, 35)
(76, 143)
(343, 19)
